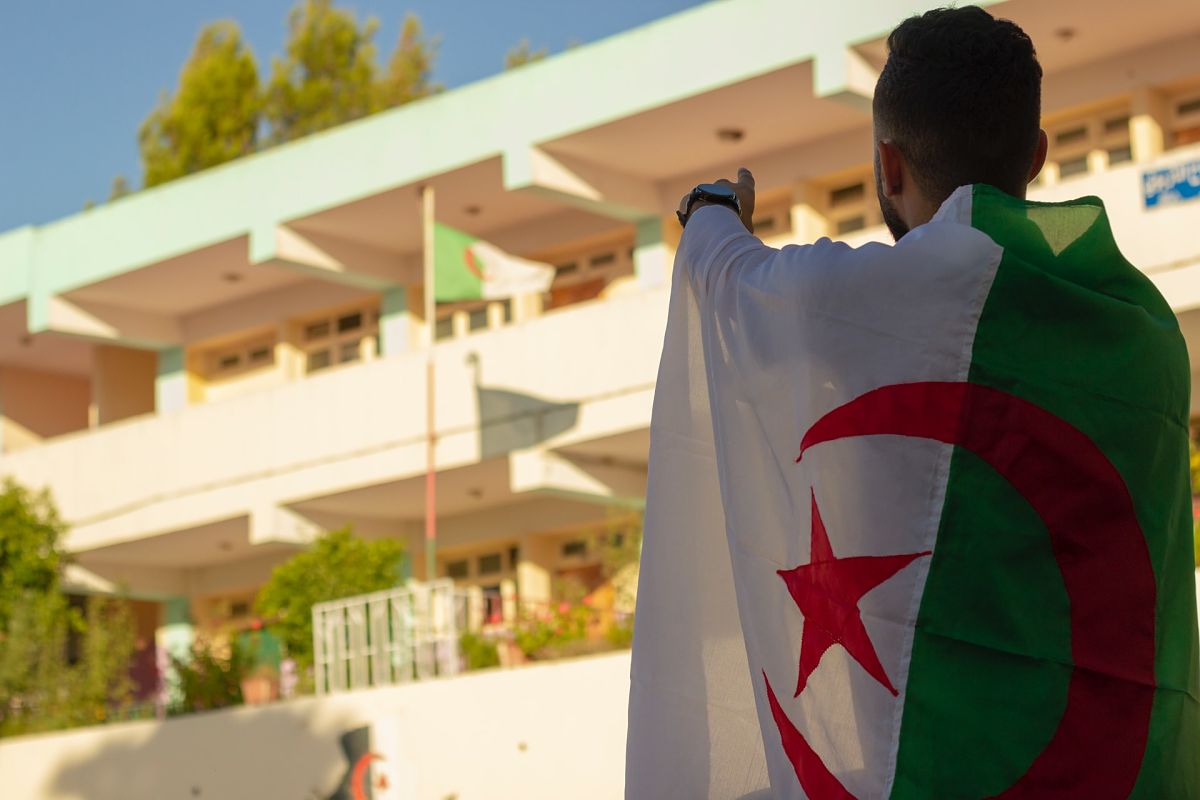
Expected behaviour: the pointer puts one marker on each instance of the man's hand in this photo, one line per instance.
(744, 188)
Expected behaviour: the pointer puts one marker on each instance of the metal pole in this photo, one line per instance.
(430, 402)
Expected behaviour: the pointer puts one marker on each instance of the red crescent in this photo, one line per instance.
(359, 773)
(1098, 747)
(473, 264)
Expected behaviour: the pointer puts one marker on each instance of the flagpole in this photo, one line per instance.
(430, 404)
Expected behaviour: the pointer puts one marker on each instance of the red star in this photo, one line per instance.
(827, 591)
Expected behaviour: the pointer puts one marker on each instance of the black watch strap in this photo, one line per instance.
(709, 193)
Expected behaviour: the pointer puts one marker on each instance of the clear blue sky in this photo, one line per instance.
(77, 76)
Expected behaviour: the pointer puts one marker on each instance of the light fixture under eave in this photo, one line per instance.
(475, 492)
(730, 135)
(225, 545)
(1065, 33)
(232, 277)
(472, 210)
(26, 340)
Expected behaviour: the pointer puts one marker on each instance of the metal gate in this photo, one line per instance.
(389, 637)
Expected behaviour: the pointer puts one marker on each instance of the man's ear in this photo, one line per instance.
(1039, 157)
(891, 168)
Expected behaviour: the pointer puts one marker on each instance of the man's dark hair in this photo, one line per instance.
(960, 97)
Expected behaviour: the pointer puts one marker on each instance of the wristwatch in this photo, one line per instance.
(709, 193)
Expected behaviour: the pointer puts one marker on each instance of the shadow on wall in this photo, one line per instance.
(283, 751)
(515, 421)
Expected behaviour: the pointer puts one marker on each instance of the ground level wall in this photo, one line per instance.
(548, 731)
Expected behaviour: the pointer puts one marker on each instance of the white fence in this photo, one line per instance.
(389, 637)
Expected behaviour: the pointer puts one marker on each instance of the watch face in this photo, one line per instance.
(718, 189)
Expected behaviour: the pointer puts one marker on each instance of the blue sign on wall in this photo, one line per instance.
(1177, 184)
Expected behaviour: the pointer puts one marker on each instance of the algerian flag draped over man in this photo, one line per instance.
(467, 268)
(917, 521)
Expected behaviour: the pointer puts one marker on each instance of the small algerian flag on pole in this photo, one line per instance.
(467, 268)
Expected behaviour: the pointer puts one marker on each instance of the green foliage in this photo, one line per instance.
(30, 557)
(336, 565)
(409, 74)
(523, 54)
(620, 634)
(213, 117)
(120, 188)
(478, 652)
(328, 74)
(544, 634)
(60, 666)
(207, 679)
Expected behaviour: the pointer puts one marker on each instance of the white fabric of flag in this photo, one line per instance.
(760, 343)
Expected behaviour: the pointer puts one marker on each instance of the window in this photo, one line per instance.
(1073, 143)
(773, 217)
(490, 564)
(576, 548)
(847, 195)
(339, 338)
(444, 328)
(583, 272)
(458, 569)
(1073, 166)
(851, 224)
(764, 225)
(514, 556)
(477, 318)
(602, 260)
(1185, 119)
(241, 357)
(850, 208)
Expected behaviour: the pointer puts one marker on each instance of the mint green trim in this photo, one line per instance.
(577, 90)
(175, 637)
(170, 362)
(393, 321)
(170, 380)
(650, 252)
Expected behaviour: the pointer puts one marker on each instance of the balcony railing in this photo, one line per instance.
(389, 637)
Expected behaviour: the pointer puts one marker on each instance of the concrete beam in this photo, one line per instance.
(104, 323)
(578, 183)
(594, 481)
(332, 258)
(124, 580)
(270, 523)
(844, 75)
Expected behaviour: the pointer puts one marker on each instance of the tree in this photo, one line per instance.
(337, 565)
(523, 54)
(327, 76)
(213, 116)
(120, 188)
(409, 73)
(43, 685)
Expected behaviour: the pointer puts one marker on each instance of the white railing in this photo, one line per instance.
(389, 637)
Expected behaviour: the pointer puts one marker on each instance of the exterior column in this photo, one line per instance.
(535, 570)
(394, 321)
(171, 380)
(173, 638)
(1147, 125)
(651, 258)
(808, 223)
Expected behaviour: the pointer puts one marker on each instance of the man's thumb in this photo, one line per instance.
(745, 177)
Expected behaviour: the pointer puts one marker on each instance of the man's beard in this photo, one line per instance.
(891, 217)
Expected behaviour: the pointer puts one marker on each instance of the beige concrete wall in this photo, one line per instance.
(594, 376)
(122, 383)
(36, 405)
(544, 732)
